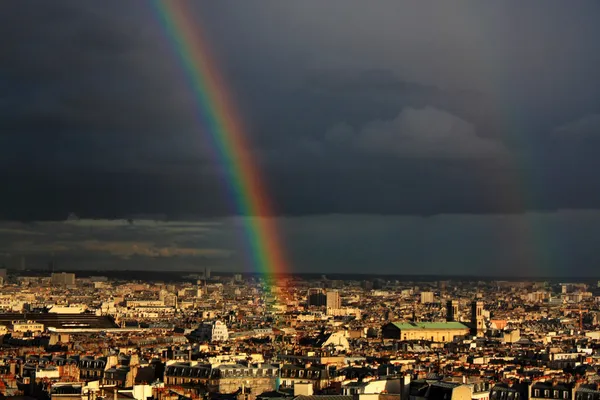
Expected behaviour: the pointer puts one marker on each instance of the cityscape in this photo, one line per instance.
(233, 336)
(299, 200)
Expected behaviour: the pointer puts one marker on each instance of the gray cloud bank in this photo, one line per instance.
(526, 245)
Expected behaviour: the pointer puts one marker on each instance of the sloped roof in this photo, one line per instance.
(405, 326)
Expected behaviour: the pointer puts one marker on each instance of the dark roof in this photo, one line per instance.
(324, 397)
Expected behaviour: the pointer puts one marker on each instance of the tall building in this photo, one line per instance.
(452, 311)
(63, 279)
(427, 297)
(477, 321)
(316, 297)
(333, 299)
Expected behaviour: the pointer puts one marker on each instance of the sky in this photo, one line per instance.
(405, 136)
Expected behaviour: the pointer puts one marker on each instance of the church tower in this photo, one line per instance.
(452, 311)
(477, 322)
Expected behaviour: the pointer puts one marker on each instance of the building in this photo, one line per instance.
(210, 332)
(452, 311)
(551, 390)
(427, 297)
(27, 326)
(316, 297)
(434, 331)
(63, 279)
(333, 300)
(515, 391)
(423, 390)
(477, 320)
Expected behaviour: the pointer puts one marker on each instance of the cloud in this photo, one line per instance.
(143, 238)
(148, 249)
(426, 132)
(97, 117)
(587, 126)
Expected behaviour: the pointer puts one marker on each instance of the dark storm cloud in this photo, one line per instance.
(405, 107)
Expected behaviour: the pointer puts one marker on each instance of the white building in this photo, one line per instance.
(27, 326)
(211, 332)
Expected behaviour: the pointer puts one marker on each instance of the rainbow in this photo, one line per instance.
(228, 139)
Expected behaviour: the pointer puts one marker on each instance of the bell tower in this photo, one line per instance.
(452, 311)
(477, 322)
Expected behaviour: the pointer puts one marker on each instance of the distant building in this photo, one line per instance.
(211, 332)
(427, 297)
(27, 326)
(333, 300)
(434, 331)
(477, 320)
(452, 311)
(63, 279)
(316, 297)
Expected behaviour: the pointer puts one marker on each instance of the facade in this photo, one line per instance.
(477, 320)
(63, 279)
(434, 331)
(316, 297)
(427, 297)
(452, 311)
(550, 390)
(27, 326)
(333, 300)
(319, 376)
(211, 332)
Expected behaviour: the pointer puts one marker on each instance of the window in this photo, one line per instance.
(536, 393)
(546, 393)
(556, 394)
(565, 395)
